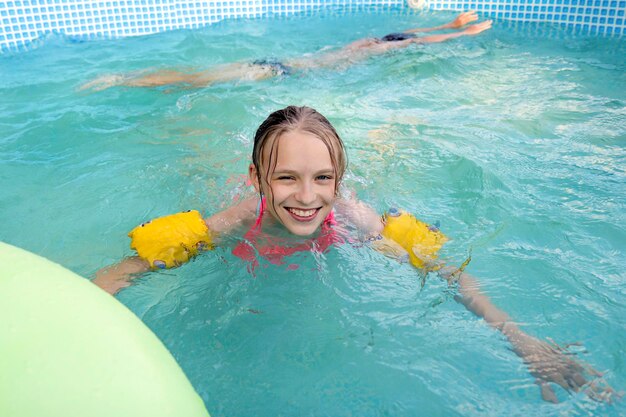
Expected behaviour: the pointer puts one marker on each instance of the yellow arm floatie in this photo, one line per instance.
(172, 240)
(421, 241)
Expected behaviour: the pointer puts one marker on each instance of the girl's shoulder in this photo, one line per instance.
(359, 214)
(237, 215)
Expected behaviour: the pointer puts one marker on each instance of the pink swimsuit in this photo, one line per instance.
(273, 251)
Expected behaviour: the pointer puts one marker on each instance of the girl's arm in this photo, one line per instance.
(115, 277)
(546, 362)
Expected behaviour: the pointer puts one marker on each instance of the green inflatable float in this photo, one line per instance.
(68, 349)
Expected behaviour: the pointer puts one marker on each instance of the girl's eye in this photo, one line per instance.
(324, 177)
(285, 178)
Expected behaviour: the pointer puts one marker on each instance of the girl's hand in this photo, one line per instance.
(462, 20)
(550, 363)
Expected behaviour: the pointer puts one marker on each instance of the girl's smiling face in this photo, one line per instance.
(300, 186)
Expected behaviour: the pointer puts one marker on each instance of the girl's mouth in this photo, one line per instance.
(303, 215)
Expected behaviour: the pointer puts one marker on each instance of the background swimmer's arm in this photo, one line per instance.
(382, 47)
(364, 48)
(548, 363)
(460, 21)
(468, 31)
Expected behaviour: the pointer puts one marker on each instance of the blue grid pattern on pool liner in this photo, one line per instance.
(24, 21)
(604, 17)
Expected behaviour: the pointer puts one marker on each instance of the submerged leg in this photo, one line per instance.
(224, 73)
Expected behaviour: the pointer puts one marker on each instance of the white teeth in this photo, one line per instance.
(302, 213)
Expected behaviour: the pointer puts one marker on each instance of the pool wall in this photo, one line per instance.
(24, 23)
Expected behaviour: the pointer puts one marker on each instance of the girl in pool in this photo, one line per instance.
(263, 69)
(298, 162)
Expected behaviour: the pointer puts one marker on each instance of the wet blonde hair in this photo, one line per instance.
(289, 119)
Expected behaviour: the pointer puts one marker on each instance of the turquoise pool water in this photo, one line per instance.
(514, 142)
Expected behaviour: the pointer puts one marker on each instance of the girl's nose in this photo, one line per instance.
(305, 194)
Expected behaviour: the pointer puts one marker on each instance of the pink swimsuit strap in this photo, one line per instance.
(250, 248)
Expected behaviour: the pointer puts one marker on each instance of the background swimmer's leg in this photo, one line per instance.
(157, 79)
(224, 73)
(103, 82)
(150, 80)
(232, 72)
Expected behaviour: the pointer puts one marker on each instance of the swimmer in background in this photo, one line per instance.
(298, 162)
(263, 69)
